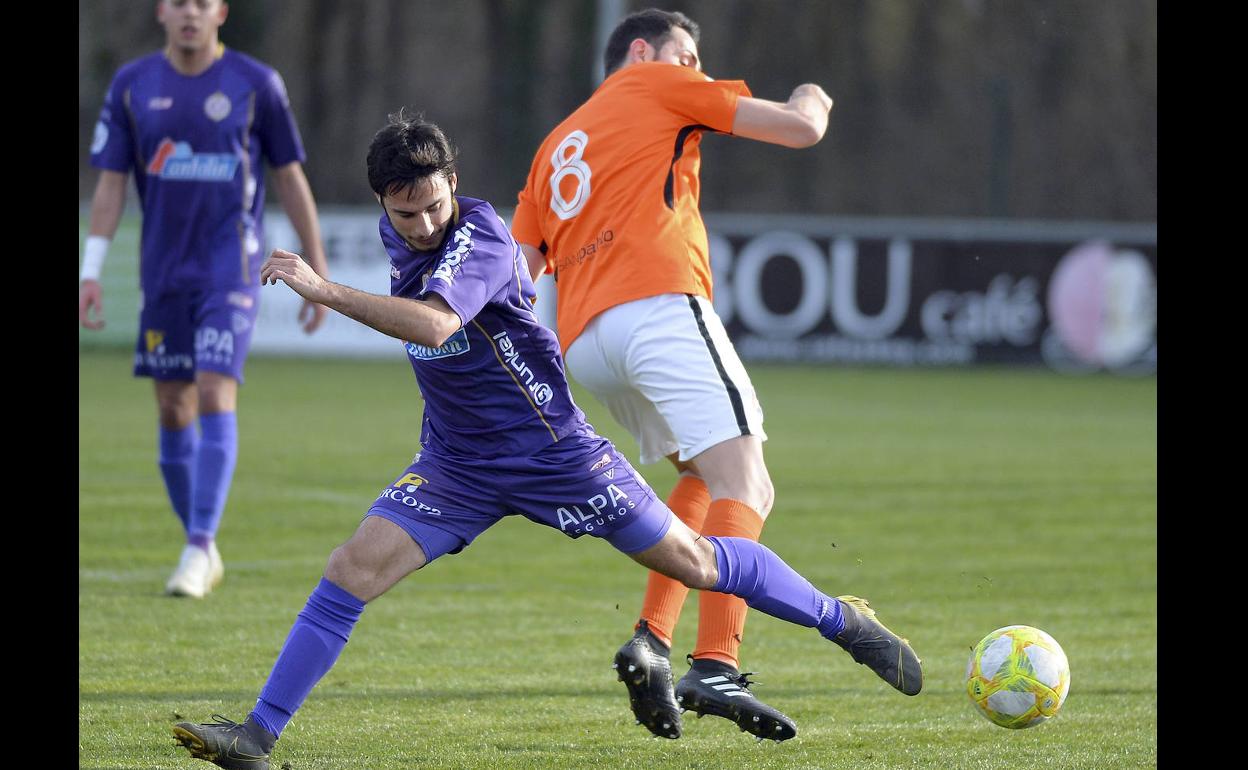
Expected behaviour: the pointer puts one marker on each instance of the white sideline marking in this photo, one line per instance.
(148, 574)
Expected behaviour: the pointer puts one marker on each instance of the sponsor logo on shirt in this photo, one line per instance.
(542, 392)
(217, 107)
(394, 271)
(456, 345)
(611, 505)
(403, 491)
(160, 102)
(453, 258)
(588, 251)
(177, 161)
(604, 460)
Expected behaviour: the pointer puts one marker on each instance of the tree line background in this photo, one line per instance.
(1035, 109)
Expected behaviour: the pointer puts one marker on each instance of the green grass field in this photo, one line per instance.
(957, 501)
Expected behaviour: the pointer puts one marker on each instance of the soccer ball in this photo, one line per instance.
(1017, 676)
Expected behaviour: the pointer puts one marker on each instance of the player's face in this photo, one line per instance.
(422, 212)
(191, 25)
(679, 49)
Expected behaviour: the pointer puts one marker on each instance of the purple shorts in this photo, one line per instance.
(182, 333)
(580, 486)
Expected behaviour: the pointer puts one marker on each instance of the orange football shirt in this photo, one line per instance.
(612, 195)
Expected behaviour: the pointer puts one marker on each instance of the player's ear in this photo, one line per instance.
(221, 14)
(637, 50)
(378, 197)
(453, 180)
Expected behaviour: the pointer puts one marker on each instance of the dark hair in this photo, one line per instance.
(406, 151)
(651, 25)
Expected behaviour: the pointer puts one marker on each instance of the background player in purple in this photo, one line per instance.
(196, 123)
(500, 436)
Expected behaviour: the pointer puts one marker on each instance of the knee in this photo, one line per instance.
(736, 470)
(349, 572)
(217, 395)
(764, 494)
(176, 413)
(754, 488)
(701, 571)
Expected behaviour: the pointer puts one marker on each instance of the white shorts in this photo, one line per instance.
(666, 370)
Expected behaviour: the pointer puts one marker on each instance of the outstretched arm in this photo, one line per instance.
(295, 195)
(799, 122)
(106, 207)
(426, 322)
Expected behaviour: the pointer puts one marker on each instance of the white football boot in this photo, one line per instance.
(217, 567)
(193, 574)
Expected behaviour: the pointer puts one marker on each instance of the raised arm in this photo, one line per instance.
(799, 122)
(426, 322)
(295, 195)
(106, 207)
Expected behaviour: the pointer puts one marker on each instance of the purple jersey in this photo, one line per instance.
(497, 387)
(196, 145)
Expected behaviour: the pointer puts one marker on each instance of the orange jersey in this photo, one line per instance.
(612, 196)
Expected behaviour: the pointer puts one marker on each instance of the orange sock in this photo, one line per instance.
(664, 596)
(721, 617)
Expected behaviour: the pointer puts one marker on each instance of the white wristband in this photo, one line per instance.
(93, 257)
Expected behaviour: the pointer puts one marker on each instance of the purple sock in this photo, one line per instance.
(177, 464)
(753, 571)
(318, 636)
(214, 469)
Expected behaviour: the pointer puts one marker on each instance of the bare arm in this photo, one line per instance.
(106, 206)
(107, 203)
(536, 260)
(426, 322)
(799, 122)
(295, 195)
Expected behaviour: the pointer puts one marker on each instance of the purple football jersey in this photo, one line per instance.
(497, 387)
(196, 146)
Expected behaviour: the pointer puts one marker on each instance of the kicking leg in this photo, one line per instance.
(766, 583)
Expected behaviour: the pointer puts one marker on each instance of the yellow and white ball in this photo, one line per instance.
(1018, 676)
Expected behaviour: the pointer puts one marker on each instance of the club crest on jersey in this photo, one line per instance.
(177, 161)
(217, 107)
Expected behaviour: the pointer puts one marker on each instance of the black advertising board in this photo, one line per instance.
(1072, 296)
